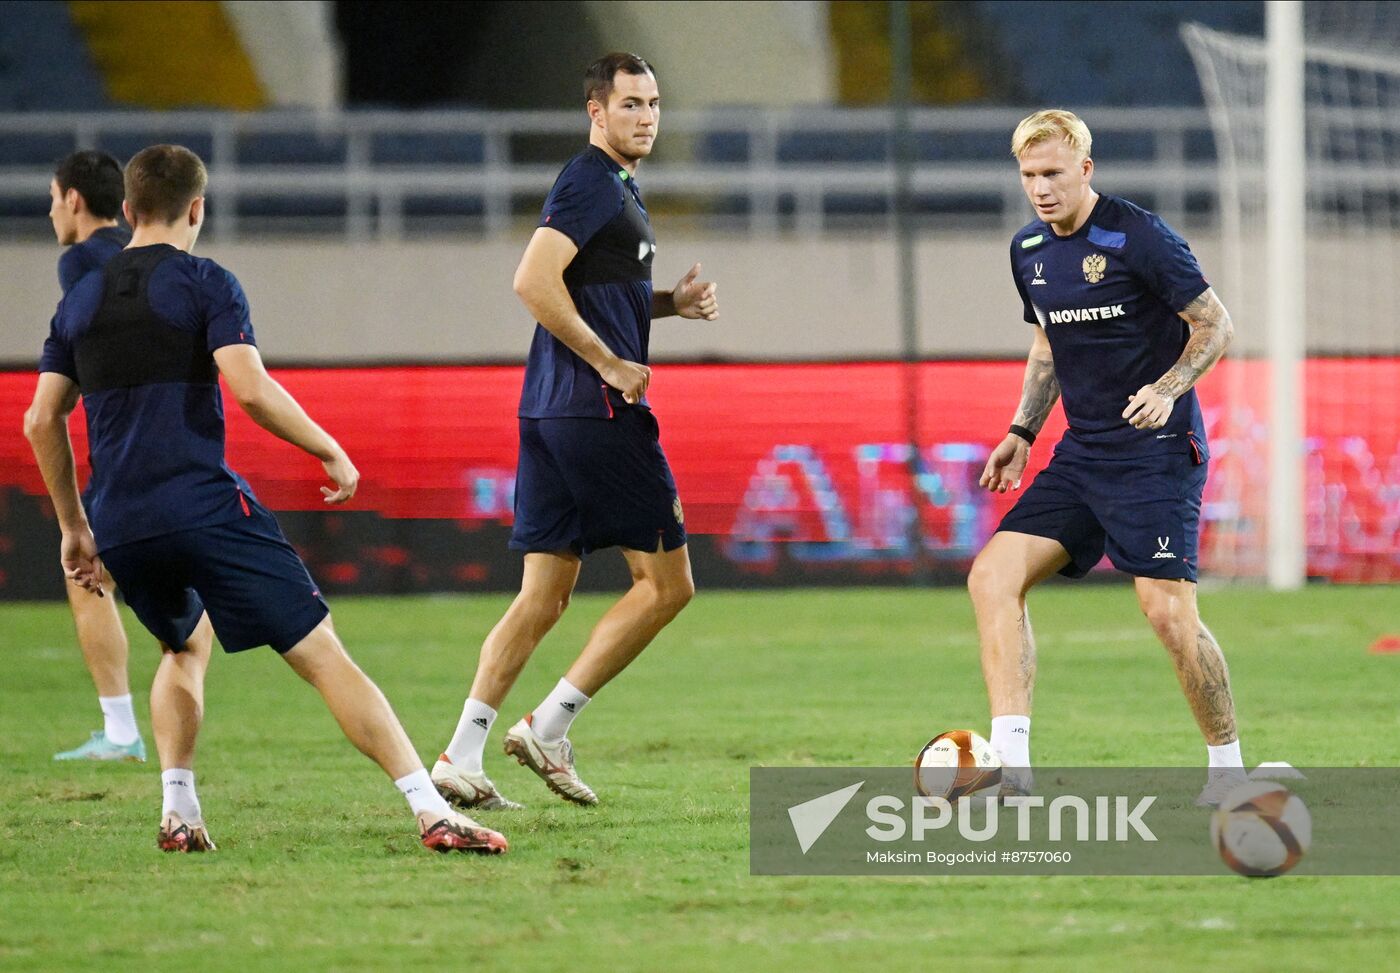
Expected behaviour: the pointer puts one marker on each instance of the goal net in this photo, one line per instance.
(1349, 469)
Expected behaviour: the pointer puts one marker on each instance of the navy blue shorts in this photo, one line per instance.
(244, 573)
(586, 484)
(1144, 512)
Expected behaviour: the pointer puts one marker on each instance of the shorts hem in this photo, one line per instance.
(572, 547)
(1181, 576)
(284, 641)
(1073, 570)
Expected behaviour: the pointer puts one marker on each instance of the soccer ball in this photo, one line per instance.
(1261, 829)
(955, 764)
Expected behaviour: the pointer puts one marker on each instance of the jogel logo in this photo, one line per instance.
(645, 249)
(1094, 266)
(1162, 552)
(678, 510)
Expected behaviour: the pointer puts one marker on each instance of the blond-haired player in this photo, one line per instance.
(1124, 326)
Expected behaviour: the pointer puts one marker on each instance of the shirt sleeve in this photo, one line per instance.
(73, 266)
(58, 353)
(1169, 268)
(1027, 309)
(584, 199)
(226, 309)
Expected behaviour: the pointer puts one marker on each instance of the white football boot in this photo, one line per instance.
(1016, 782)
(1220, 781)
(466, 789)
(552, 762)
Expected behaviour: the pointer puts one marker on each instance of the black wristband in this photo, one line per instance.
(1023, 432)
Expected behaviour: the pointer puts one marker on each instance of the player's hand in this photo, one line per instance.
(81, 565)
(1005, 465)
(345, 477)
(695, 298)
(1149, 409)
(627, 377)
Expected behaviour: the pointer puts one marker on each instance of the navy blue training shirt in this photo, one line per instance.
(597, 205)
(1107, 297)
(138, 339)
(82, 258)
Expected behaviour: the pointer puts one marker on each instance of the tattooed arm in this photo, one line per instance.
(1211, 331)
(1040, 390)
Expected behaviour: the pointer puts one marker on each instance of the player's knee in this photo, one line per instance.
(683, 593)
(672, 595)
(551, 608)
(1169, 620)
(987, 582)
(541, 605)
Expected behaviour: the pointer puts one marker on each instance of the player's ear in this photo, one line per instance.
(127, 214)
(196, 214)
(73, 200)
(1088, 168)
(595, 111)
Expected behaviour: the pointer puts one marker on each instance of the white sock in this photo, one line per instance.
(1011, 739)
(470, 739)
(417, 788)
(177, 790)
(1225, 755)
(119, 720)
(555, 715)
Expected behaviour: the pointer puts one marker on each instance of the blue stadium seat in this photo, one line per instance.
(427, 148)
(35, 149)
(811, 147)
(723, 146)
(1127, 53)
(124, 146)
(44, 62)
(326, 205)
(453, 205)
(291, 148)
(960, 146)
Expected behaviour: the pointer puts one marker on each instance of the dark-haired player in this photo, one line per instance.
(195, 554)
(591, 471)
(1125, 325)
(85, 199)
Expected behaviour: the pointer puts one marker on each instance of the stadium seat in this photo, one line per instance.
(427, 148)
(306, 147)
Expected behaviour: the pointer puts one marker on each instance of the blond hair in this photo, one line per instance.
(1052, 123)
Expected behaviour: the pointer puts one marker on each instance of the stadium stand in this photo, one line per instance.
(44, 62)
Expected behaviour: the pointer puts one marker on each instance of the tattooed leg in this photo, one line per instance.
(1200, 665)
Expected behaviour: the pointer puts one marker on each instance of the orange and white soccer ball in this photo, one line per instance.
(957, 763)
(1261, 829)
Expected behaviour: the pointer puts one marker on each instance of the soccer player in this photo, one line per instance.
(591, 471)
(85, 199)
(195, 554)
(1124, 327)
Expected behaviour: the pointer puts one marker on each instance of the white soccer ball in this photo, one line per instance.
(957, 763)
(1261, 829)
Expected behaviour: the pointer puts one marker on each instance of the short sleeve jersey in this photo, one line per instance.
(138, 339)
(81, 259)
(1107, 297)
(597, 205)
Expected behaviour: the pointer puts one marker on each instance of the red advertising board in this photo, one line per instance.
(807, 462)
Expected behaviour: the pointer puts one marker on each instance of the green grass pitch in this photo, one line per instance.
(318, 867)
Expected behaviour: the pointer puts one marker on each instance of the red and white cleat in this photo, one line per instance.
(460, 833)
(183, 836)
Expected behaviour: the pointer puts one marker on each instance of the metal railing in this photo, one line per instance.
(745, 168)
